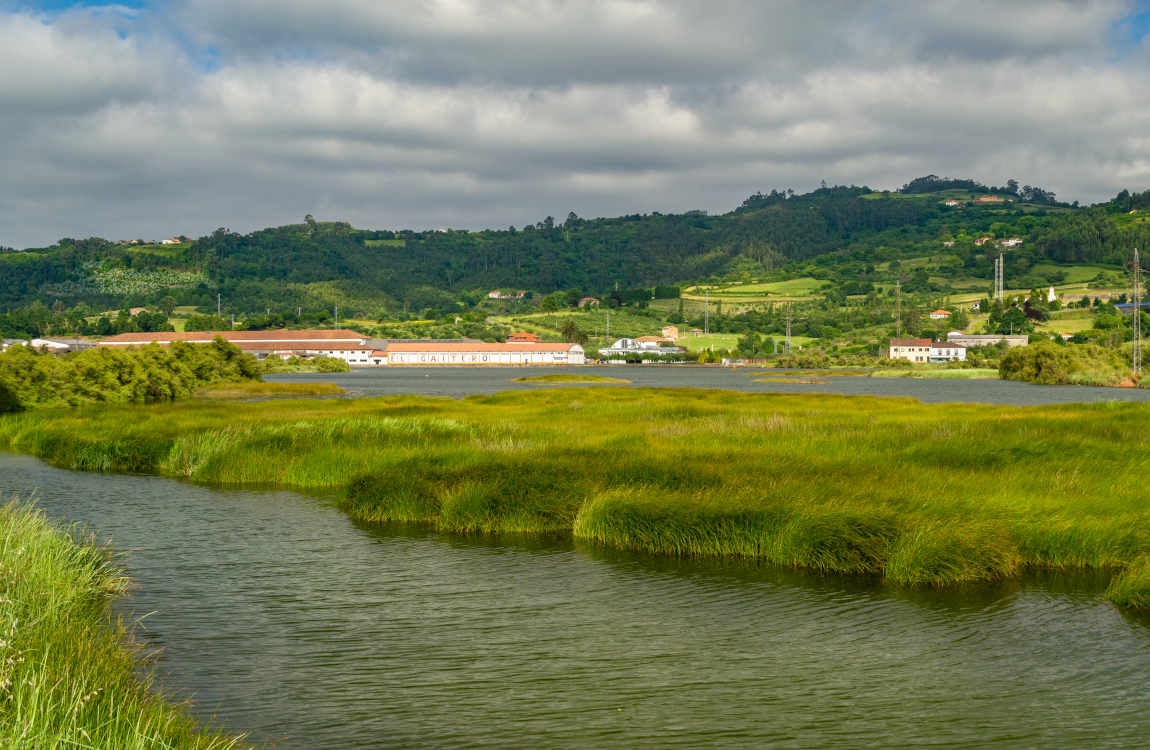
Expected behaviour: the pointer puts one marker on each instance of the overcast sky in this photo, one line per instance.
(152, 118)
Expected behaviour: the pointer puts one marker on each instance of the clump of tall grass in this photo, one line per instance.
(69, 676)
(1132, 587)
(942, 554)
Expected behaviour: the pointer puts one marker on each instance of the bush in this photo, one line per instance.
(143, 375)
(1049, 364)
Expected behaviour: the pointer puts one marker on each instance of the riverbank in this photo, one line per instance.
(916, 493)
(68, 675)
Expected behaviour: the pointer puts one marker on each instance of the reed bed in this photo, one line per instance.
(69, 675)
(919, 494)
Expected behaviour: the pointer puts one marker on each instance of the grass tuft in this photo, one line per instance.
(69, 676)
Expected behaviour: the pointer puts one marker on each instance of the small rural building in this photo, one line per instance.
(671, 333)
(915, 350)
(939, 315)
(987, 339)
(946, 351)
(589, 302)
(500, 294)
(980, 241)
(521, 337)
(522, 353)
(1012, 242)
(952, 203)
(695, 332)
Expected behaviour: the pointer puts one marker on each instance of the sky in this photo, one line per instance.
(153, 118)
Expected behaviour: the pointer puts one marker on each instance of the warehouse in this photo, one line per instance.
(350, 346)
(479, 353)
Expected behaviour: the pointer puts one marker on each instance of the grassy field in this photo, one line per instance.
(918, 494)
(69, 676)
(772, 291)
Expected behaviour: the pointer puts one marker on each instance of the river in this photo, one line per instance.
(279, 616)
(466, 381)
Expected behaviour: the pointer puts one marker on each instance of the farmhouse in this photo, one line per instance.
(939, 315)
(671, 333)
(916, 350)
(480, 353)
(589, 302)
(945, 351)
(522, 337)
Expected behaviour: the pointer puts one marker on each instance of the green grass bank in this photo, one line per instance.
(69, 675)
(918, 494)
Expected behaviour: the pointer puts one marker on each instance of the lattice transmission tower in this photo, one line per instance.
(999, 277)
(787, 345)
(1136, 298)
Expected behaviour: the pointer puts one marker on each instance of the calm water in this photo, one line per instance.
(281, 617)
(465, 381)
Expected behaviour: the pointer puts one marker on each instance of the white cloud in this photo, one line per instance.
(460, 113)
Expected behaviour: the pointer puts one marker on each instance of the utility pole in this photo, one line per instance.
(999, 277)
(897, 308)
(1136, 351)
(707, 314)
(337, 316)
(787, 345)
(608, 327)
(219, 299)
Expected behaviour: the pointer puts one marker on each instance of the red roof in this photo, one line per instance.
(910, 342)
(479, 347)
(283, 336)
(940, 312)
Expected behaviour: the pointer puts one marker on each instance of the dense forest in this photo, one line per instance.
(318, 265)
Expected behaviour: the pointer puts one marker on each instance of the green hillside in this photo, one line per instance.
(836, 252)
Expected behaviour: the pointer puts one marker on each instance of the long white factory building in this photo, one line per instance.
(357, 349)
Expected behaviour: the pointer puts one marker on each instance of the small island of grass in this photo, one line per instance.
(256, 389)
(572, 378)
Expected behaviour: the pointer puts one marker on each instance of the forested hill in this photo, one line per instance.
(325, 263)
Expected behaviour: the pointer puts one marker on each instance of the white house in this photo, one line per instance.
(945, 351)
(915, 350)
(939, 315)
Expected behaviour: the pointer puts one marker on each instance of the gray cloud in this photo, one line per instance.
(468, 114)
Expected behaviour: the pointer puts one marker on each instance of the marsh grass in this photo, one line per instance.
(920, 494)
(969, 373)
(225, 391)
(69, 675)
(569, 378)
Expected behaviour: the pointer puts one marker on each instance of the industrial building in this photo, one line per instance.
(479, 353)
(350, 346)
(357, 349)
